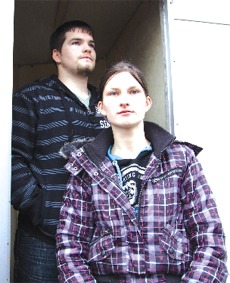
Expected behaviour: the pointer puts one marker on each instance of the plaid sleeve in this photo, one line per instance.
(204, 228)
(74, 233)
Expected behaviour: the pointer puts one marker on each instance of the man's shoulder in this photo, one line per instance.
(39, 86)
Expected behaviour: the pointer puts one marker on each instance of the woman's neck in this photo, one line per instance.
(128, 144)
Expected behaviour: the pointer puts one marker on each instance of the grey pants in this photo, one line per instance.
(115, 279)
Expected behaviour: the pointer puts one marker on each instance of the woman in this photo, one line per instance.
(138, 207)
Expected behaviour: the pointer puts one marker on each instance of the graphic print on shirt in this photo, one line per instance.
(131, 172)
(131, 180)
(104, 122)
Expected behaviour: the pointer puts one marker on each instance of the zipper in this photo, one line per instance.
(105, 233)
(120, 184)
(115, 163)
(139, 199)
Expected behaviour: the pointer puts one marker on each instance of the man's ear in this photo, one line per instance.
(56, 56)
(101, 108)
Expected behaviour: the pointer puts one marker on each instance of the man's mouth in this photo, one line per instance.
(86, 57)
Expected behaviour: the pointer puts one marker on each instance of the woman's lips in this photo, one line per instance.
(125, 112)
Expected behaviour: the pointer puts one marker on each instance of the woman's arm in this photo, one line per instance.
(204, 228)
(74, 233)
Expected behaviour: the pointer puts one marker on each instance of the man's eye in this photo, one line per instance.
(76, 43)
(92, 45)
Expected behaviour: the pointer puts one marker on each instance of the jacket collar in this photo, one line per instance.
(158, 137)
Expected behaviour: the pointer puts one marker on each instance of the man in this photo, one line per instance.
(47, 114)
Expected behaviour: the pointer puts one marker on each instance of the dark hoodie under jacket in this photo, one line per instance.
(46, 115)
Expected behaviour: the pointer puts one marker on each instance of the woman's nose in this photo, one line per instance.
(124, 99)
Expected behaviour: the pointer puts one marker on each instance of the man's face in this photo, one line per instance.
(78, 53)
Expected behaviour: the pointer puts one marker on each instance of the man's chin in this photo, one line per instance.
(85, 70)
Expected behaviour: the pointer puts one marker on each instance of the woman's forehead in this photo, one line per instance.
(122, 79)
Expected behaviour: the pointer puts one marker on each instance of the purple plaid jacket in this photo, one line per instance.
(177, 231)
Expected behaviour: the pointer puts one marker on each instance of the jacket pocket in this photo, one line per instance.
(101, 247)
(175, 244)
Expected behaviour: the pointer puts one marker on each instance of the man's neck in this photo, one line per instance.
(77, 84)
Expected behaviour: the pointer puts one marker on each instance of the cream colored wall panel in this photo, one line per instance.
(212, 11)
(200, 63)
(6, 50)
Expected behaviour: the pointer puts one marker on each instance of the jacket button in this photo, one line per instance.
(79, 154)
(171, 251)
(95, 173)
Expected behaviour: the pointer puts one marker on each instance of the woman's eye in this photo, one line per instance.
(113, 93)
(134, 91)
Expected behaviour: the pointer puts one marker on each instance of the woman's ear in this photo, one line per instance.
(101, 108)
(148, 103)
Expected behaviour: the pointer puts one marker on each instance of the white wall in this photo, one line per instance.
(6, 85)
(200, 62)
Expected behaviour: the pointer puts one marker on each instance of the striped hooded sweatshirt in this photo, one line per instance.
(46, 115)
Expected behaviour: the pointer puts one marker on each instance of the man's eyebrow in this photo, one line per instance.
(80, 38)
(76, 38)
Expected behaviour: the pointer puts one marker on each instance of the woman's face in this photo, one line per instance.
(124, 101)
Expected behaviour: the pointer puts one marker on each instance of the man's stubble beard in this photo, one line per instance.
(85, 70)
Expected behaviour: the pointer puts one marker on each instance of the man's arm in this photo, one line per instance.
(26, 193)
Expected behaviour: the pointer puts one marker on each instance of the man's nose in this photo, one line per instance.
(86, 47)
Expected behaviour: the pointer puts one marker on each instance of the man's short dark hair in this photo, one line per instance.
(59, 35)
